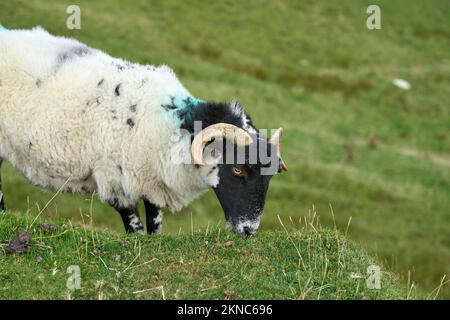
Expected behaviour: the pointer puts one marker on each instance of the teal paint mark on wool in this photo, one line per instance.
(187, 105)
(180, 101)
(180, 105)
(183, 101)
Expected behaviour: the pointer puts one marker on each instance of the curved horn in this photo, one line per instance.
(223, 130)
(275, 140)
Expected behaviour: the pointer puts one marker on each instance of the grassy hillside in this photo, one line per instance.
(210, 264)
(376, 153)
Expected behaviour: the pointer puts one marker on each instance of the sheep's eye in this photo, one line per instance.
(237, 171)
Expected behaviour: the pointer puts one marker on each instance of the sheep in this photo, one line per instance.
(74, 119)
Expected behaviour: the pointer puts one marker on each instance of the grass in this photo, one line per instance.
(376, 153)
(309, 263)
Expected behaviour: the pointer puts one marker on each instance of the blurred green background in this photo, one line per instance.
(353, 141)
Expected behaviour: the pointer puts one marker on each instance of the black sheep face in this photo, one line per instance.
(243, 180)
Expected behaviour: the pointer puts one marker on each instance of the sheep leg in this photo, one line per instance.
(2, 201)
(131, 220)
(153, 215)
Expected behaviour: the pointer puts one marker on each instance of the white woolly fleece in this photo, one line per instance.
(72, 114)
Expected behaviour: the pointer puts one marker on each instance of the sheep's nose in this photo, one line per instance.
(248, 231)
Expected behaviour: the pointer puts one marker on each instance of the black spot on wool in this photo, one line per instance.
(117, 90)
(133, 108)
(144, 81)
(130, 123)
(71, 53)
(123, 66)
(171, 105)
(212, 170)
(119, 67)
(76, 51)
(100, 82)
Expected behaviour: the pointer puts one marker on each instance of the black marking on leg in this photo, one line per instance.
(135, 223)
(2, 200)
(114, 202)
(153, 216)
(130, 217)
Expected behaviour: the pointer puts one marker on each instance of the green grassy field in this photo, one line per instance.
(378, 155)
(309, 263)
